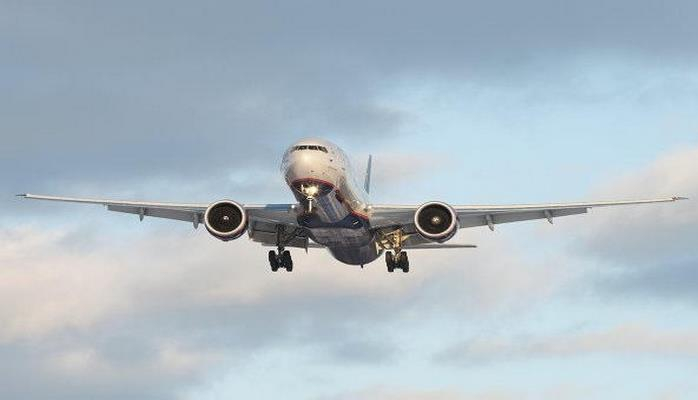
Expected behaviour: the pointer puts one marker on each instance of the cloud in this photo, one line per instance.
(73, 278)
(182, 101)
(198, 91)
(562, 392)
(142, 312)
(647, 250)
(644, 234)
(384, 393)
(624, 339)
(666, 281)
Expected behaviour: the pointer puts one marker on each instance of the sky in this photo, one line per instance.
(460, 101)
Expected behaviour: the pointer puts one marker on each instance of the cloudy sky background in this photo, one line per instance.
(466, 102)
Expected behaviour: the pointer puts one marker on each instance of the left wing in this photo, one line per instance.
(263, 219)
(491, 215)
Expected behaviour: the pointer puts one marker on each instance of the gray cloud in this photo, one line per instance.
(363, 352)
(648, 250)
(105, 92)
(664, 281)
(623, 339)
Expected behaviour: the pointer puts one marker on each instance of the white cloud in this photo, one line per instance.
(157, 306)
(628, 339)
(648, 233)
(50, 283)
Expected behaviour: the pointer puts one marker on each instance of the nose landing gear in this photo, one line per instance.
(398, 260)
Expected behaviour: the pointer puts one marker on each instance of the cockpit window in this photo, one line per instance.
(310, 147)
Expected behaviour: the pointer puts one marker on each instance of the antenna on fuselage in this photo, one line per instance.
(367, 178)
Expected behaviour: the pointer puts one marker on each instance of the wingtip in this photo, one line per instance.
(22, 195)
(677, 198)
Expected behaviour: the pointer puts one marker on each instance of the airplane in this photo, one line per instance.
(333, 212)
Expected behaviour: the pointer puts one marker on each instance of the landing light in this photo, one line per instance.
(310, 190)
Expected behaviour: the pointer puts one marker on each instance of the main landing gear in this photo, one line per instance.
(282, 259)
(398, 260)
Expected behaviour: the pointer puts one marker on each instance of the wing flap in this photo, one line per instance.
(469, 220)
(266, 233)
(192, 216)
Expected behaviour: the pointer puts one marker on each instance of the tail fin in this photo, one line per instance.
(367, 177)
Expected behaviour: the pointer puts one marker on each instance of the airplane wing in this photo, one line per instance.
(263, 219)
(384, 216)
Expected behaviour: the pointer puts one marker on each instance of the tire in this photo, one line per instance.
(404, 262)
(390, 261)
(273, 261)
(287, 261)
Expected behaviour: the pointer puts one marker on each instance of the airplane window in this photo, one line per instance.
(310, 147)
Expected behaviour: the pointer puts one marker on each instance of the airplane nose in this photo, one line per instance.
(308, 174)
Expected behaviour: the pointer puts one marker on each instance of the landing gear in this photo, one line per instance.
(398, 260)
(282, 259)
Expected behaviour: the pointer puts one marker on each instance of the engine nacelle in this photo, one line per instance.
(226, 220)
(436, 221)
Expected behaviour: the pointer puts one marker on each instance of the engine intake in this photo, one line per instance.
(436, 221)
(226, 220)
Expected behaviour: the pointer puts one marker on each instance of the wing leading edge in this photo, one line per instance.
(264, 219)
(491, 215)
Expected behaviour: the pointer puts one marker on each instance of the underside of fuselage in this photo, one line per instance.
(331, 222)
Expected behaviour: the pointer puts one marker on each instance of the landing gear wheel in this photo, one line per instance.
(287, 261)
(403, 262)
(273, 261)
(390, 261)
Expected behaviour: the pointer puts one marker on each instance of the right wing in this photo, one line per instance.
(189, 212)
(264, 220)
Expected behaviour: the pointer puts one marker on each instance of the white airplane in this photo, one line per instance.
(333, 212)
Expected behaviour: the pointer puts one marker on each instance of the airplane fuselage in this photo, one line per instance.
(334, 205)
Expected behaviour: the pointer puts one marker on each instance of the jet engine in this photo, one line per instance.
(436, 221)
(226, 220)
